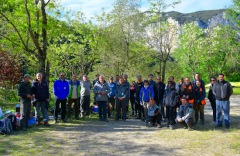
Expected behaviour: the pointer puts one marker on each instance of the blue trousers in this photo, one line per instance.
(102, 106)
(225, 107)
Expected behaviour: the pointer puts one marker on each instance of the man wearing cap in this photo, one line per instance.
(24, 91)
(40, 92)
(61, 91)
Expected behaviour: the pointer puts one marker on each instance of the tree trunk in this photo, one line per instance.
(163, 70)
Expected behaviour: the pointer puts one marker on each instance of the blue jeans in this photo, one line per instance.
(225, 106)
(41, 105)
(102, 106)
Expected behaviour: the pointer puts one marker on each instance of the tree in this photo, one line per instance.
(161, 35)
(28, 24)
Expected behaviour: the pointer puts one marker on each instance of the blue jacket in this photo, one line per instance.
(61, 89)
(112, 91)
(185, 112)
(146, 94)
(152, 110)
(40, 90)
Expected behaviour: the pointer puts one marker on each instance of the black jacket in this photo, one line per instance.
(211, 96)
(159, 90)
(40, 90)
(138, 87)
(23, 90)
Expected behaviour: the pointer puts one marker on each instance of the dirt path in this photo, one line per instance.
(130, 137)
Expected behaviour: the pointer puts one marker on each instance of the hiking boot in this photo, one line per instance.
(38, 123)
(46, 124)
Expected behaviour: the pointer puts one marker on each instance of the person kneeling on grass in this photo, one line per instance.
(185, 114)
(154, 114)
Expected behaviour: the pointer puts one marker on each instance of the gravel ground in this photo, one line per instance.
(95, 137)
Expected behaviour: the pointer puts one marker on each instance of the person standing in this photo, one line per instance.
(159, 90)
(132, 99)
(222, 91)
(197, 78)
(212, 98)
(127, 84)
(188, 91)
(121, 96)
(85, 96)
(151, 81)
(74, 96)
(170, 101)
(200, 101)
(61, 92)
(24, 91)
(101, 89)
(111, 96)
(40, 92)
(94, 81)
(138, 87)
(146, 93)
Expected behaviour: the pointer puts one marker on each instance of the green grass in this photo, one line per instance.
(236, 91)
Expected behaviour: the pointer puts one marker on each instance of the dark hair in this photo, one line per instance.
(171, 77)
(150, 75)
(120, 77)
(197, 73)
(212, 78)
(182, 79)
(221, 74)
(146, 81)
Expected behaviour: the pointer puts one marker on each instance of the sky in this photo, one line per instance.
(94, 7)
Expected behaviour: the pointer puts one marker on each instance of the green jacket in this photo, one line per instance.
(71, 89)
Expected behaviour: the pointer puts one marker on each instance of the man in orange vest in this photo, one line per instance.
(188, 91)
(200, 101)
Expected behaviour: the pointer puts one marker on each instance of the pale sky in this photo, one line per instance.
(94, 7)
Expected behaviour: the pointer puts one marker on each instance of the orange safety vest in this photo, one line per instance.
(203, 102)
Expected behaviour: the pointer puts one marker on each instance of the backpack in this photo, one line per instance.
(6, 126)
(13, 121)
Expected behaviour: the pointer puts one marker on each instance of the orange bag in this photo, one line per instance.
(203, 102)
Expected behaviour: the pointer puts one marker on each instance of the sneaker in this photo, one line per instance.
(46, 124)
(37, 123)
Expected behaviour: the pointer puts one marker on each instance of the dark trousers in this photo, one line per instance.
(160, 103)
(41, 105)
(25, 111)
(213, 104)
(140, 108)
(198, 107)
(132, 101)
(76, 109)
(85, 104)
(153, 119)
(121, 105)
(102, 109)
(111, 105)
(127, 103)
(170, 111)
(63, 108)
(188, 122)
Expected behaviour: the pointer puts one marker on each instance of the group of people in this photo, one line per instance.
(151, 102)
